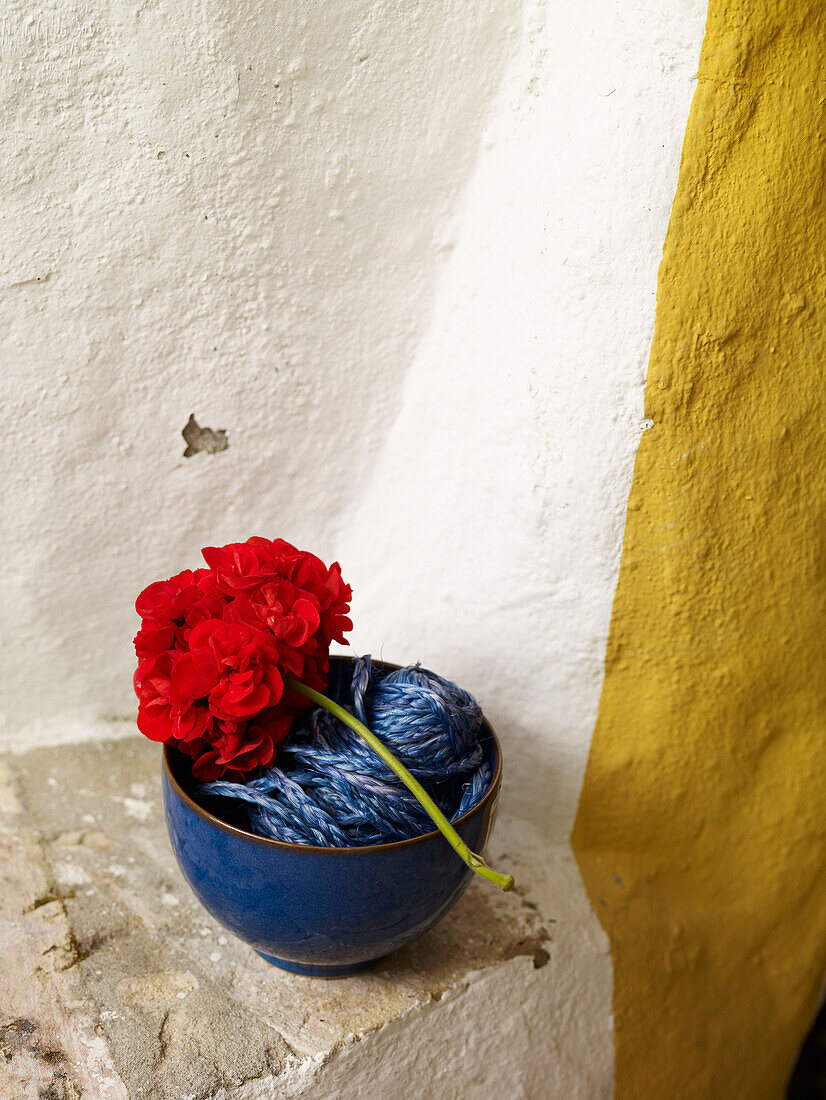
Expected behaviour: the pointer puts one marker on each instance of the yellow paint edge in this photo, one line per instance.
(700, 830)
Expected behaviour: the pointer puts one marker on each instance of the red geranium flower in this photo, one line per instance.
(215, 645)
(169, 599)
(234, 667)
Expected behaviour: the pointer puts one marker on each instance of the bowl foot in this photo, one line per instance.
(315, 971)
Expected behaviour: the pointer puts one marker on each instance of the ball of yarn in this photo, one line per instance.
(329, 788)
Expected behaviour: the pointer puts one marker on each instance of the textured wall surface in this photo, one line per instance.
(700, 832)
(235, 210)
(405, 257)
(378, 243)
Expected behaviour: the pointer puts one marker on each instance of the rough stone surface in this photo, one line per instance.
(114, 978)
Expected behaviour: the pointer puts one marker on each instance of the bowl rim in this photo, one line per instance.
(490, 794)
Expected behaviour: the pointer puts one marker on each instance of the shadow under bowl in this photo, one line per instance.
(321, 911)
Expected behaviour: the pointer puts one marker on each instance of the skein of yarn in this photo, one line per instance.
(330, 789)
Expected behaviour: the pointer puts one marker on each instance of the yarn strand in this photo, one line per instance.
(474, 861)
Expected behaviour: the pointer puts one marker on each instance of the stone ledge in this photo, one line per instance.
(116, 983)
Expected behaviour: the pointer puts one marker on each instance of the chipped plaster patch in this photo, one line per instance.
(137, 808)
(203, 440)
(70, 874)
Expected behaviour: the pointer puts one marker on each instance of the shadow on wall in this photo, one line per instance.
(808, 1081)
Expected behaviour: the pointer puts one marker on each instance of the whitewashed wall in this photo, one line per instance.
(235, 210)
(405, 255)
(488, 540)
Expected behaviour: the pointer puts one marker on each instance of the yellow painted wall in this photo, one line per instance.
(701, 826)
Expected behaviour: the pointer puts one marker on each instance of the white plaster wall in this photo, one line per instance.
(409, 264)
(232, 209)
(405, 254)
(488, 541)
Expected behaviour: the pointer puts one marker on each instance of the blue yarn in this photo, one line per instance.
(330, 789)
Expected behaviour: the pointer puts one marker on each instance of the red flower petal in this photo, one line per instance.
(215, 645)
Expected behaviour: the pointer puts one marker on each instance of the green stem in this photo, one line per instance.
(475, 862)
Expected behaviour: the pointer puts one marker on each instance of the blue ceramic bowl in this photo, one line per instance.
(320, 911)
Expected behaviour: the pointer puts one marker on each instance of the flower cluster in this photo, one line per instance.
(216, 644)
